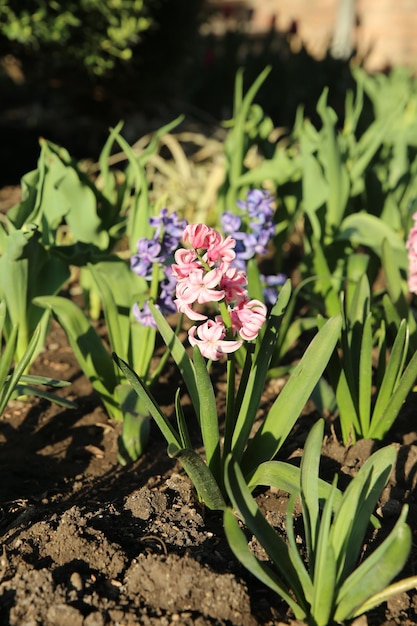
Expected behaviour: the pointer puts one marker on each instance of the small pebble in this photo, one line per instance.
(76, 581)
(391, 508)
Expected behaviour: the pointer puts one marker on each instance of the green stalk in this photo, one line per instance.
(229, 423)
(225, 313)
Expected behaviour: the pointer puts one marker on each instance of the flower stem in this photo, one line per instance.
(230, 405)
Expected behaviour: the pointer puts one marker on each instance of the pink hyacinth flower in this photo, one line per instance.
(248, 318)
(186, 262)
(182, 307)
(218, 248)
(199, 236)
(201, 287)
(222, 250)
(209, 337)
(412, 257)
(234, 283)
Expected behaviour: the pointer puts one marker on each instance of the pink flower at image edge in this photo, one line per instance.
(411, 246)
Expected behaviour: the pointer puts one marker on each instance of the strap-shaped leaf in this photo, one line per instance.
(358, 503)
(330, 155)
(149, 402)
(257, 376)
(23, 389)
(200, 475)
(250, 513)
(181, 423)
(208, 418)
(365, 376)
(392, 373)
(380, 428)
(239, 545)
(309, 489)
(179, 354)
(368, 230)
(6, 359)
(87, 346)
(323, 569)
(2, 317)
(294, 552)
(396, 301)
(136, 426)
(119, 288)
(282, 475)
(292, 399)
(406, 584)
(8, 386)
(374, 574)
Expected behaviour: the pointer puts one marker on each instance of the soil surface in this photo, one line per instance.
(87, 542)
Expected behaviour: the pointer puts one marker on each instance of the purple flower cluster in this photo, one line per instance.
(271, 284)
(160, 249)
(253, 228)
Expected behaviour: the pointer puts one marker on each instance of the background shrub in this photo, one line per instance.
(93, 33)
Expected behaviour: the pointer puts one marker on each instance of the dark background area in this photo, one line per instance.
(175, 69)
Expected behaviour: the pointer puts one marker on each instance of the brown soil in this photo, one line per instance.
(86, 542)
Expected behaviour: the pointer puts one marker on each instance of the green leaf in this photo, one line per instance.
(119, 289)
(348, 416)
(364, 229)
(396, 305)
(182, 423)
(106, 175)
(250, 513)
(365, 376)
(2, 317)
(394, 280)
(392, 373)
(87, 346)
(334, 167)
(396, 401)
(200, 475)
(361, 497)
(292, 399)
(69, 196)
(372, 576)
(325, 280)
(406, 584)
(23, 389)
(239, 545)
(309, 473)
(324, 577)
(140, 209)
(237, 138)
(324, 398)
(286, 477)
(208, 417)
(258, 374)
(179, 354)
(136, 424)
(7, 388)
(29, 379)
(148, 402)
(7, 355)
(315, 186)
(294, 552)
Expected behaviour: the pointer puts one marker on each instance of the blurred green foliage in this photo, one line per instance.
(92, 32)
